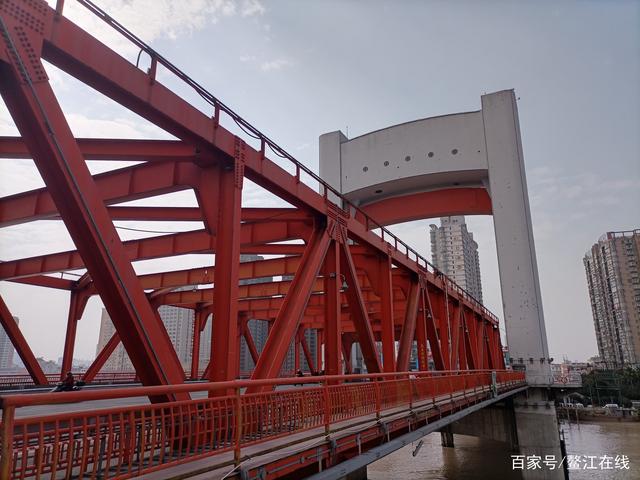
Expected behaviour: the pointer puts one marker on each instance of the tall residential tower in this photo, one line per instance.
(6, 349)
(613, 279)
(455, 253)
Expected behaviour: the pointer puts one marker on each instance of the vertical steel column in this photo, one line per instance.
(470, 342)
(421, 332)
(439, 311)
(347, 345)
(195, 349)
(332, 311)
(409, 326)
(480, 343)
(462, 349)
(224, 362)
(386, 320)
(296, 353)
(432, 333)
(319, 343)
(455, 336)
(22, 347)
(77, 302)
(358, 311)
(39, 118)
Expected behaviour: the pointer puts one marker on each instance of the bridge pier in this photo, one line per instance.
(525, 423)
(537, 432)
(359, 474)
(446, 437)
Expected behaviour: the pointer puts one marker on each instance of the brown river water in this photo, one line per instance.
(474, 458)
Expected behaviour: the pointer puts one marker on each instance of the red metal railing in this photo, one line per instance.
(128, 441)
(18, 381)
(103, 378)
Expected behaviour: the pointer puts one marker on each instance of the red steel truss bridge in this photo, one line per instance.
(334, 269)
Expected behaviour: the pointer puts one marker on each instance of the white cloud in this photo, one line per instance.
(152, 19)
(274, 65)
(251, 7)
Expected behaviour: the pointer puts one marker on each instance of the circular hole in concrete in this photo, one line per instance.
(365, 169)
(454, 151)
(430, 154)
(407, 158)
(386, 163)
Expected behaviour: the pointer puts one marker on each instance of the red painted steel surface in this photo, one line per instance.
(129, 441)
(343, 275)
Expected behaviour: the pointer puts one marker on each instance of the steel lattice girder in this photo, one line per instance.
(383, 300)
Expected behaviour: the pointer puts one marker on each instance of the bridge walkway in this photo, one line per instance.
(295, 431)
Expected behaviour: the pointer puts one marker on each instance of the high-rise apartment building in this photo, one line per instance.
(179, 325)
(455, 253)
(6, 349)
(613, 279)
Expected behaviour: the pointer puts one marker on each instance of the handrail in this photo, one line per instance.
(255, 133)
(27, 399)
(133, 440)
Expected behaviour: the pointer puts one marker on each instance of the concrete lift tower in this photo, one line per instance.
(460, 164)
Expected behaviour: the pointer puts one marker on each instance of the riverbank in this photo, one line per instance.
(596, 414)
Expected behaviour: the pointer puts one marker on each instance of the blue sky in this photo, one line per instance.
(300, 69)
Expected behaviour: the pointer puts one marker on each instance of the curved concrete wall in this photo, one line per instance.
(471, 149)
(415, 156)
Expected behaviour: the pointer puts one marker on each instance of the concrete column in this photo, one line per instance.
(330, 145)
(538, 434)
(526, 424)
(523, 315)
(446, 435)
(359, 474)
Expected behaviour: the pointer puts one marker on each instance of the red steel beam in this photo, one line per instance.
(421, 333)
(293, 306)
(251, 346)
(211, 146)
(225, 214)
(388, 327)
(39, 118)
(332, 310)
(409, 327)
(77, 303)
(433, 204)
(116, 186)
(121, 149)
(46, 281)
(195, 348)
(101, 358)
(358, 311)
(306, 350)
(148, 98)
(456, 325)
(197, 241)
